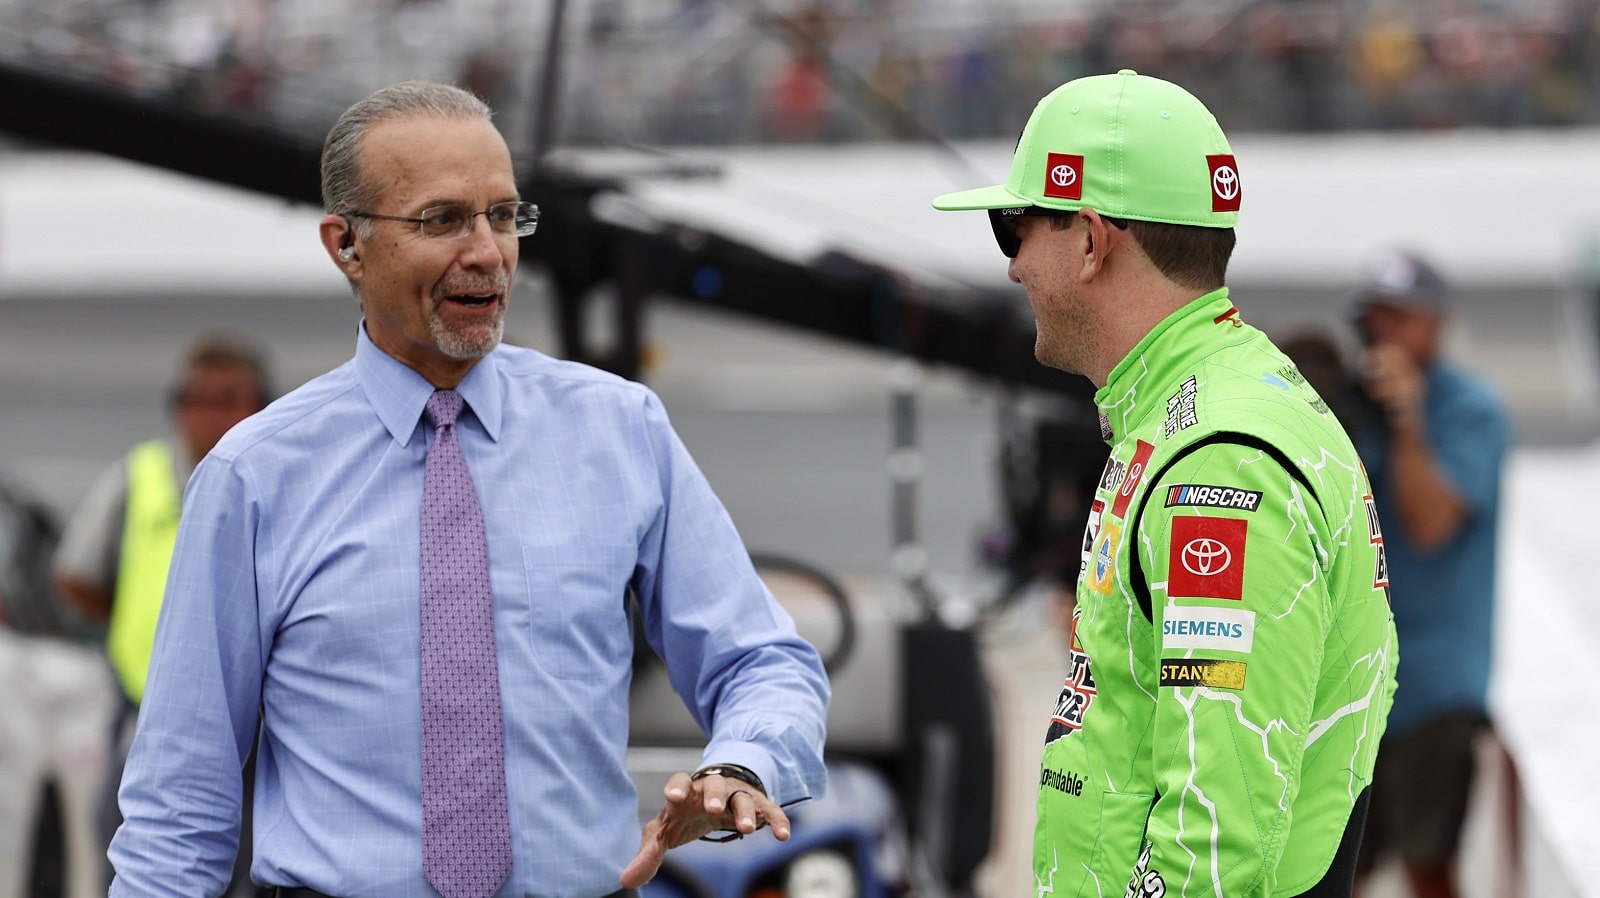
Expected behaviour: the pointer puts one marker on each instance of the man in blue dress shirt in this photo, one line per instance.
(293, 599)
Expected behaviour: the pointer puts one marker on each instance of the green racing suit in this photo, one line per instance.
(1232, 649)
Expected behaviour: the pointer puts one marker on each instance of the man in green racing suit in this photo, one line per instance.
(1232, 653)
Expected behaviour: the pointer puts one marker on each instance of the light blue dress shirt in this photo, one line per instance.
(293, 601)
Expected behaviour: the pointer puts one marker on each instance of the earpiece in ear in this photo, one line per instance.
(347, 253)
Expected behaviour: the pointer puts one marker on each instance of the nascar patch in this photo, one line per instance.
(1209, 496)
(1202, 672)
(1188, 627)
(1206, 557)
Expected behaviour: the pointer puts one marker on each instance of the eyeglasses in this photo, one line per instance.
(1004, 223)
(455, 219)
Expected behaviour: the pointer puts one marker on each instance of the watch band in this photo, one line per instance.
(732, 771)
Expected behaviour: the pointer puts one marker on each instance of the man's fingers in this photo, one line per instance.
(694, 808)
(742, 806)
(652, 850)
(775, 817)
(751, 810)
(678, 788)
(641, 869)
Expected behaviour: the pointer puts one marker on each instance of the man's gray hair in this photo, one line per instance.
(343, 190)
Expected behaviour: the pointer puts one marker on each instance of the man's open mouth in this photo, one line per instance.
(474, 300)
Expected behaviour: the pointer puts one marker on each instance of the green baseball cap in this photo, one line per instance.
(1126, 145)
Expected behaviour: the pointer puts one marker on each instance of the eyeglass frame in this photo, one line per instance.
(1004, 224)
(531, 218)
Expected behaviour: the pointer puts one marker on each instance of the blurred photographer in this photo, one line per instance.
(1434, 443)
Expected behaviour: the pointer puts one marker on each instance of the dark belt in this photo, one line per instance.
(314, 893)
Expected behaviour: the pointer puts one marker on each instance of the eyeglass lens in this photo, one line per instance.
(456, 219)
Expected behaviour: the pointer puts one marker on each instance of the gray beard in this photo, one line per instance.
(464, 346)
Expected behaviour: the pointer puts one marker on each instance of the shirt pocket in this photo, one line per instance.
(578, 595)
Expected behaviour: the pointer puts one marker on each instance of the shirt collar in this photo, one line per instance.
(1178, 343)
(398, 394)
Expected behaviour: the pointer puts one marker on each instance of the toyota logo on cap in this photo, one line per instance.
(1225, 182)
(1225, 193)
(1063, 176)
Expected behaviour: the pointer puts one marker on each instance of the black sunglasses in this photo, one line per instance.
(1004, 224)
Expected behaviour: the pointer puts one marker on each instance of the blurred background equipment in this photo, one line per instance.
(58, 697)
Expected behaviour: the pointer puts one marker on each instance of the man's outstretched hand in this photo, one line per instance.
(695, 808)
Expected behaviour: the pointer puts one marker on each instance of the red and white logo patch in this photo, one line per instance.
(1206, 558)
(1141, 457)
(1063, 176)
(1225, 192)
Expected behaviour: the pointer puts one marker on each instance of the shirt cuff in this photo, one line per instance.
(748, 755)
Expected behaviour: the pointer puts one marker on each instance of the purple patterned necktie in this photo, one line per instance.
(466, 828)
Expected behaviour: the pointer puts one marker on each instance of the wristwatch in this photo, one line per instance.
(732, 771)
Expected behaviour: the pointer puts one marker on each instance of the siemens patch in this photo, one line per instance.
(1213, 496)
(1202, 672)
(1189, 627)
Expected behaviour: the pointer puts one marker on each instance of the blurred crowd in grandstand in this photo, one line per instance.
(740, 71)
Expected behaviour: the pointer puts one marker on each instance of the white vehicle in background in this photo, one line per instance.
(56, 701)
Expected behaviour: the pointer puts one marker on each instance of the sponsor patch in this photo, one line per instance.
(1063, 176)
(1225, 192)
(1380, 574)
(1077, 690)
(1111, 477)
(1130, 482)
(1190, 627)
(1209, 496)
(1063, 781)
(1206, 557)
(1091, 529)
(1103, 560)
(1202, 672)
(1180, 407)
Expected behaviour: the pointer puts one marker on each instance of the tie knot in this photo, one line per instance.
(443, 407)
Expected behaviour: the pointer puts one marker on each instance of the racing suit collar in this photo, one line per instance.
(1176, 344)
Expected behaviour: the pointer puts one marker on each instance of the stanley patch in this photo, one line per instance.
(1202, 672)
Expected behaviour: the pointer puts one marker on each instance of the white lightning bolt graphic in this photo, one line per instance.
(1042, 888)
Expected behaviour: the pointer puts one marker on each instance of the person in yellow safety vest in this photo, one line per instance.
(113, 557)
(150, 527)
